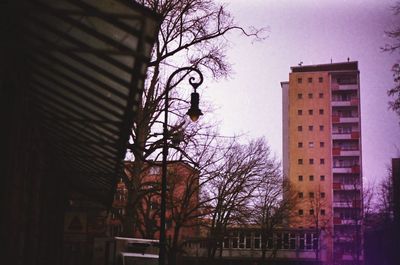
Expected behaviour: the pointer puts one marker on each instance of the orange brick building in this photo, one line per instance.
(182, 201)
(322, 156)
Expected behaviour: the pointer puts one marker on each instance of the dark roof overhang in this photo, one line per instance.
(85, 62)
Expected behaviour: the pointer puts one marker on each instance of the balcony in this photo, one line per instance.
(340, 221)
(338, 102)
(341, 170)
(348, 87)
(348, 119)
(348, 222)
(343, 204)
(337, 186)
(354, 101)
(350, 152)
(355, 135)
(347, 204)
(355, 169)
(337, 221)
(345, 119)
(341, 103)
(341, 151)
(351, 186)
(341, 136)
(336, 86)
(336, 151)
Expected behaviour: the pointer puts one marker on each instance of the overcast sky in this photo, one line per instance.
(313, 32)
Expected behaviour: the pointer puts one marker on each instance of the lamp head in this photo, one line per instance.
(194, 112)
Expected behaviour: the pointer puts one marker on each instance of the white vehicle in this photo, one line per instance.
(136, 251)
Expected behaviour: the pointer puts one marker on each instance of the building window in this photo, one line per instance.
(300, 178)
(311, 178)
(321, 111)
(311, 161)
(310, 128)
(320, 79)
(310, 95)
(302, 244)
(323, 212)
(309, 80)
(322, 161)
(310, 112)
(321, 128)
(299, 80)
(322, 177)
(300, 128)
(154, 170)
(257, 240)
(300, 144)
(299, 112)
(292, 244)
(311, 195)
(311, 144)
(321, 144)
(321, 95)
(299, 96)
(300, 195)
(301, 212)
(322, 195)
(311, 211)
(234, 240)
(300, 161)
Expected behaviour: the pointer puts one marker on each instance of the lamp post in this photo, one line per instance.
(194, 113)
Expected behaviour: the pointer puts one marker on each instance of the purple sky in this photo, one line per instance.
(313, 32)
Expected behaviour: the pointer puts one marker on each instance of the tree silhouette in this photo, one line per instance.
(191, 34)
(394, 35)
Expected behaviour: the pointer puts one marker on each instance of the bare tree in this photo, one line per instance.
(394, 34)
(319, 218)
(381, 241)
(232, 187)
(187, 199)
(273, 202)
(384, 198)
(190, 35)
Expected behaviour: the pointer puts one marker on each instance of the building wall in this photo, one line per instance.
(285, 130)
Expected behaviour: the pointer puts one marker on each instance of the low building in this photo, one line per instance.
(244, 245)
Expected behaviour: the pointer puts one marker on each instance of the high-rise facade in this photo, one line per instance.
(322, 157)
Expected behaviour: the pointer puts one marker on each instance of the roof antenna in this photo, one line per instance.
(300, 63)
(348, 59)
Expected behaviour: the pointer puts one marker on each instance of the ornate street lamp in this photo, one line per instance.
(194, 113)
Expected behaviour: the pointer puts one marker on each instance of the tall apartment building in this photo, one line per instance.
(322, 157)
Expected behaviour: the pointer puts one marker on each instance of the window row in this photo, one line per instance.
(309, 80)
(311, 178)
(310, 144)
(311, 195)
(280, 240)
(311, 161)
(310, 128)
(310, 95)
(312, 212)
(310, 112)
